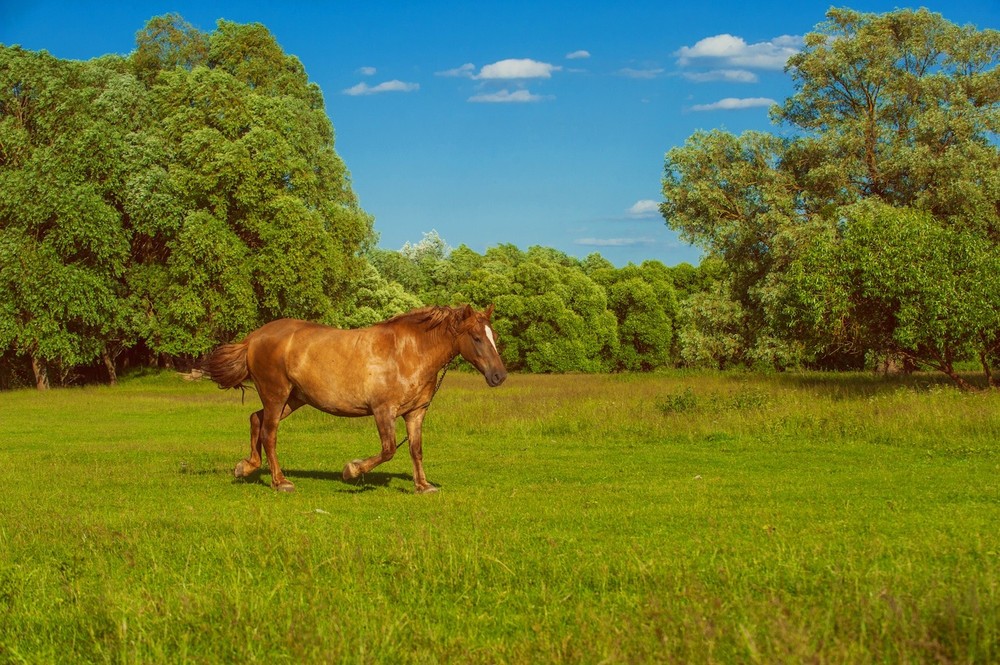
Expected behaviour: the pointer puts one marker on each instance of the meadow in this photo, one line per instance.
(676, 518)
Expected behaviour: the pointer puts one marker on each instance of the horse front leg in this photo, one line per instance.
(414, 430)
(386, 423)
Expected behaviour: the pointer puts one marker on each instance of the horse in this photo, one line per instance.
(388, 370)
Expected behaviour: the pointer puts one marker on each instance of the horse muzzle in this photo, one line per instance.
(495, 377)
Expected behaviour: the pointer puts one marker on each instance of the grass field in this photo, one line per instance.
(671, 518)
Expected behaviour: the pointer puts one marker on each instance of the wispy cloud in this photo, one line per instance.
(649, 73)
(468, 70)
(506, 96)
(613, 242)
(734, 103)
(366, 71)
(643, 209)
(577, 55)
(725, 75)
(387, 86)
(734, 52)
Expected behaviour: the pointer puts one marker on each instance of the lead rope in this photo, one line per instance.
(433, 395)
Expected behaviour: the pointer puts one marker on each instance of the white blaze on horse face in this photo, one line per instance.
(489, 336)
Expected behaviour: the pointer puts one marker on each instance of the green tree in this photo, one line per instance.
(63, 246)
(710, 330)
(374, 299)
(643, 301)
(901, 108)
(168, 200)
(167, 42)
(924, 291)
(550, 316)
(260, 221)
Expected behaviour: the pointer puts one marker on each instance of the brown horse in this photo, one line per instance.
(388, 371)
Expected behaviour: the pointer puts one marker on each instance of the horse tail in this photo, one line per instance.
(227, 365)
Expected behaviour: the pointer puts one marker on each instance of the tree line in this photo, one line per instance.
(156, 204)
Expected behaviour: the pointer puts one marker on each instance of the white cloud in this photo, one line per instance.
(506, 96)
(466, 71)
(732, 103)
(726, 75)
(650, 73)
(517, 68)
(644, 208)
(388, 86)
(613, 242)
(735, 52)
(366, 71)
(576, 55)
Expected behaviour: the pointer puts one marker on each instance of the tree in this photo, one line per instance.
(63, 248)
(259, 220)
(167, 42)
(896, 276)
(374, 298)
(550, 316)
(643, 301)
(168, 200)
(731, 195)
(900, 108)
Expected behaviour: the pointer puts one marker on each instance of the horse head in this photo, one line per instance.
(478, 344)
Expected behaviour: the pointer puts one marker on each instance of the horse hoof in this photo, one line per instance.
(352, 470)
(430, 489)
(243, 469)
(284, 486)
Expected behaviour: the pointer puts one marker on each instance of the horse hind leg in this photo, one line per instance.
(249, 465)
(259, 438)
(386, 423)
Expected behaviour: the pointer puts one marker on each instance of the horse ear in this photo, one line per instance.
(489, 311)
(467, 311)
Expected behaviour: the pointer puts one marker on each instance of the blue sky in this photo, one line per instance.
(532, 123)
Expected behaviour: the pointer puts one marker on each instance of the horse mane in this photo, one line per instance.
(428, 318)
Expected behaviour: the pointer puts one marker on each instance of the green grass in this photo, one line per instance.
(675, 518)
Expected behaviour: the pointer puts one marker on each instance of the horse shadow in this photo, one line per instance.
(364, 483)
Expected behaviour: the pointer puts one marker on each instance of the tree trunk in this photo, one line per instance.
(954, 376)
(41, 373)
(991, 380)
(109, 363)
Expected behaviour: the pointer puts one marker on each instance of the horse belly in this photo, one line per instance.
(335, 402)
(328, 372)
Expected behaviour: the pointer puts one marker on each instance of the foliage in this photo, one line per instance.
(900, 110)
(63, 245)
(169, 200)
(644, 303)
(154, 205)
(554, 313)
(896, 276)
(265, 223)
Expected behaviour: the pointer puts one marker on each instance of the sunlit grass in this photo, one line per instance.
(678, 518)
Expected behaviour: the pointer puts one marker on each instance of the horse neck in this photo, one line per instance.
(437, 345)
